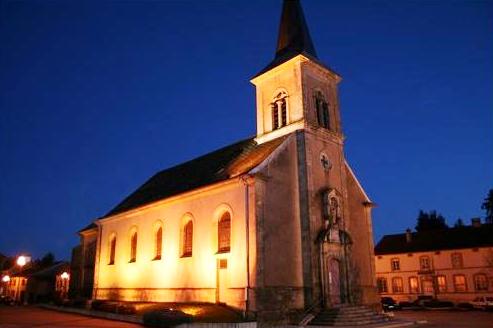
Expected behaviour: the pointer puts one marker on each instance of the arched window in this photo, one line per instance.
(159, 243)
(224, 233)
(322, 108)
(187, 239)
(133, 247)
(279, 111)
(112, 249)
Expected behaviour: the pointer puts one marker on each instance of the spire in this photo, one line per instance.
(294, 37)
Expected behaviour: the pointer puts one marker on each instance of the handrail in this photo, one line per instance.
(308, 315)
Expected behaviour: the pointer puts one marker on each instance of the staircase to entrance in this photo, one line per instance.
(348, 315)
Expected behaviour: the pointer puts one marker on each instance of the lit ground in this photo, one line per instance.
(23, 317)
(449, 319)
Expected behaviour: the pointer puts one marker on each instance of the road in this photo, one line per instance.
(23, 317)
(28, 316)
(449, 319)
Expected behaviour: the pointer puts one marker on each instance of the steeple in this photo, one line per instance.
(296, 91)
(294, 37)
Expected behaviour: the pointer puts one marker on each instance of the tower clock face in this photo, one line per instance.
(325, 162)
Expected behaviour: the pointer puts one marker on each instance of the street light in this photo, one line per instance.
(64, 275)
(6, 278)
(21, 261)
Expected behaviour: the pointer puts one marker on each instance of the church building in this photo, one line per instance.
(272, 224)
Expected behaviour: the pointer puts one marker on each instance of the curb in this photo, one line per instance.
(95, 314)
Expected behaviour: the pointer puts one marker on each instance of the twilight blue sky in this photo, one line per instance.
(96, 96)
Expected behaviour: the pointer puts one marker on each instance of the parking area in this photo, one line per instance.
(449, 319)
(29, 316)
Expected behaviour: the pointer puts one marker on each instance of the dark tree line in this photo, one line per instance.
(433, 220)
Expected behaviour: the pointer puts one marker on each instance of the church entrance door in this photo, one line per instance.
(222, 276)
(334, 279)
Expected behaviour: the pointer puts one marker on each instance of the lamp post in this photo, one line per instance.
(65, 279)
(21, 262)
(5, 281)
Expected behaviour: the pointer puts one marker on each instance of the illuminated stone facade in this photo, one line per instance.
(299, 226)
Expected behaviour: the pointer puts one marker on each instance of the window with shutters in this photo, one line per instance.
(480, 282)
(382, 285)
(397, 285)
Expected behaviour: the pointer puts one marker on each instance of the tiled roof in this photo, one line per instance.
(435, 240)
(219, 165)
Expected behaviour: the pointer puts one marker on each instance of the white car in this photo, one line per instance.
(483, 302)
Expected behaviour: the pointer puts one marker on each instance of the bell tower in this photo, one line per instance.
(295, 91)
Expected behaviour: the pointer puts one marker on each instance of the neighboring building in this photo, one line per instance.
(33, 284)
(269, 225)
(453, 264)
(82, 264)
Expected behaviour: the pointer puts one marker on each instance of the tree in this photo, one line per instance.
(430, 221)
(488, 207)
(459, 223)
(47, 260)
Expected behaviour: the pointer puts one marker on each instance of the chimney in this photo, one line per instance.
(476, 222)
(408, 235)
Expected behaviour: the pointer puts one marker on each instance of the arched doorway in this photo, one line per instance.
(334, 280)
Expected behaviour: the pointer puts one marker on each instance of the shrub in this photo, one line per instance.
(465, 306)
(406, 304)
(126, 309)
(438, 304)
(165, 318)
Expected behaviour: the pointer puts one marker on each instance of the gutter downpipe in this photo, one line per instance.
(245, 181)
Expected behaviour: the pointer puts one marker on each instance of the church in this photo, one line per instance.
(269, 225)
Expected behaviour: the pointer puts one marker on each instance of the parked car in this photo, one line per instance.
(483, 303)
(7, 300)
(422, 299)
(389, 304)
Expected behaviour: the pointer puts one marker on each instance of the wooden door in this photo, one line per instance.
(334, 279)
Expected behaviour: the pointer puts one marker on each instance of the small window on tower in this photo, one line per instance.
(279, 109)
(322, 108)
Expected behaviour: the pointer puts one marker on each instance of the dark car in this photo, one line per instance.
(389, 304)
(7, 300)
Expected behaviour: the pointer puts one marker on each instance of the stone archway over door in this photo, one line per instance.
(334, 279)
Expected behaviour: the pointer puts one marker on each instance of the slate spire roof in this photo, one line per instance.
(294, 37)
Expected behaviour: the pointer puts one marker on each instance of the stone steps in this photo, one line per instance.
(348, 316)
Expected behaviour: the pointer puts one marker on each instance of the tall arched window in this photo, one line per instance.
(322, 108)
(187, 239)
(159, 243)
(133, 246)
(112, 250)
(224, 233)
(279, 108)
